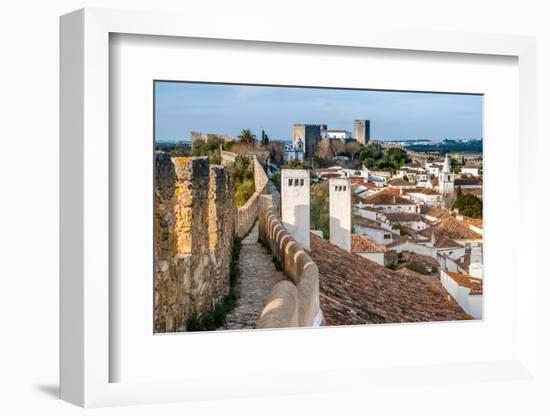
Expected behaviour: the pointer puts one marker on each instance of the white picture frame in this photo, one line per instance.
(85, 166)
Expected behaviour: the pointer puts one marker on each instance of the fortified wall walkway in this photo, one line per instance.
(257, 278)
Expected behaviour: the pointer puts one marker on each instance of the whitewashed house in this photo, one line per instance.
(413, 221)
(373, 230)
(406, 243)
(425, 196)
(466, 290)
(388, 201)
(367, 248)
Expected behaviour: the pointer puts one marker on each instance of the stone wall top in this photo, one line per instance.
(299, 268)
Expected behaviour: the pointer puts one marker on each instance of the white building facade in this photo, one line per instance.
(340, 212)
(295, 204)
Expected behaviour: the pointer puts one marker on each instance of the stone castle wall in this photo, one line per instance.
(195, 227)
(247, 214)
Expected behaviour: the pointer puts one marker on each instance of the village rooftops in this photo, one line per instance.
(473, 283)
(443, 241)
(472, 164)
(399, 182)
(435, 212)
(403, 217)
(385, 198)
(327, 170)
(474, 191)
(451, 228)
(365, 222)
(362, 244)
(329, 175)
(424, 191)
(354, 290)
(471, 181)
(413, 165)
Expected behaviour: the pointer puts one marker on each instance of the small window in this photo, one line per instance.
(301, 182)
(290, 182)
(296, 182)
(345, 187)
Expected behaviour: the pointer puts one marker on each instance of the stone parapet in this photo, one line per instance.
(247, 214)
(298, 267)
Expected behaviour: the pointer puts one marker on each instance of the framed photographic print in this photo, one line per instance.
(290, 212)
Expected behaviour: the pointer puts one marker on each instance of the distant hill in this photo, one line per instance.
(448, 146)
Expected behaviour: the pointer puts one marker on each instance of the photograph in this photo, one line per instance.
(289, 206)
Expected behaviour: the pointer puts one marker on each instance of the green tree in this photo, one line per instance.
(397, 157)
(242, 176)
(199, 148)
(469, 205)
(211, 148)
(318, 207)
(276, 179)
(247, 137)
(265, 139)
(455, 166)
(294, 164)
(371, 151)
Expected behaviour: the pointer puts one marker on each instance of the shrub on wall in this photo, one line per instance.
(242, 176)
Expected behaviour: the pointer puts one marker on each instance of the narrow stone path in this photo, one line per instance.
(258, 276)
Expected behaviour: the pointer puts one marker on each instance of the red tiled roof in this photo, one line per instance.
(330, 175)
(371, 185)
(473, 283)
(362, 244)
(467, 181)
(386, 197)
(436, 212)
(451, 228)
(399, 182)
(354, 290)
(425, 191)
(476, 222)
(403, 216)
(445, 242)
(401, 240)
(365, 222)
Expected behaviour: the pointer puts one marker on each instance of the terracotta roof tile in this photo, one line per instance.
(386, 197)
(365, 222)
(403, 217)
(473, 283)
(436, 212)
(451, 228)
(399, 182)
(354, 290)
(467, 181)
(362, 244)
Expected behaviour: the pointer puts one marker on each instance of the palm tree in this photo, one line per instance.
(247, 137)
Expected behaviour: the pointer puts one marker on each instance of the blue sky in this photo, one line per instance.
(227, 109)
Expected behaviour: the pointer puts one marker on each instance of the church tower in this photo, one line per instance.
(446, 178)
